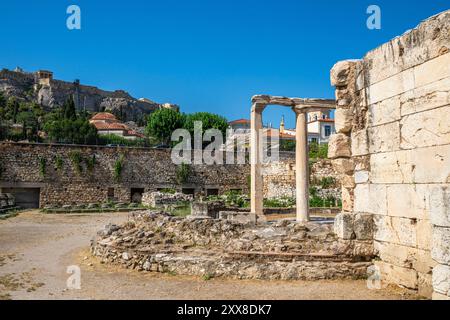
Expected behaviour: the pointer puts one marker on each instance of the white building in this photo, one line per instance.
(320, 127)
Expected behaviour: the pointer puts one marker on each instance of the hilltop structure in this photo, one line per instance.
(41, 87)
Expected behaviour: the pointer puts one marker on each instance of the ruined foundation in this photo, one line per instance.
(286, 250)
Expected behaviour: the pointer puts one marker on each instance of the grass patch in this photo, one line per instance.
(207, 276)
(181, 210)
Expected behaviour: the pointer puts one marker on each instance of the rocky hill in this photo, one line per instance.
(40, 87)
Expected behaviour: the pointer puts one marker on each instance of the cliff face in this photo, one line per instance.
(51, 93)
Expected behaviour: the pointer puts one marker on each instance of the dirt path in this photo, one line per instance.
(36, 249)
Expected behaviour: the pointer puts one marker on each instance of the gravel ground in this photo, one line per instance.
(36, 250)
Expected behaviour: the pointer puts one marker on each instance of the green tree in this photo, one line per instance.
(69, 109)
(162, 123)
(2, 106)
(65, 126)
(12, 107)
(29, 124)
(287, 145)
(208, 120)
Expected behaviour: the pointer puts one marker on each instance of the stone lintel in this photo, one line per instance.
(299, 104)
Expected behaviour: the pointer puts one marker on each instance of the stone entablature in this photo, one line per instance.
(392, 148)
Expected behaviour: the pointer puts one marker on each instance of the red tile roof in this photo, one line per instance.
(239, 121)
(104, 116)
(274, 133)
(110, 126)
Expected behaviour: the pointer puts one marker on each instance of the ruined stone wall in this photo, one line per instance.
(36, 165)
(279, 177)
(147, 169)
(392, 149)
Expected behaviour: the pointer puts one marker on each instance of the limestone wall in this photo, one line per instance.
(52, 169)
(279, 177)
(148, 169)
(392, 148)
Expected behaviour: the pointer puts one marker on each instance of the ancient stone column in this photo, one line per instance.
(256, 187)
(301, 165)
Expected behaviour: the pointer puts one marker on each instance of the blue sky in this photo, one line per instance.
(205, 55)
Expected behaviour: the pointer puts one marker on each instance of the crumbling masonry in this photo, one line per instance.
(392, 149)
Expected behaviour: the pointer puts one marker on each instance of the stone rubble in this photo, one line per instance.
(156, 241)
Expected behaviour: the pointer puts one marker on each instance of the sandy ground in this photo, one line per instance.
(36, 250)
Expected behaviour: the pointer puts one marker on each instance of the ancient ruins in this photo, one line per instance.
(390, 155)
(392, 151)
(300, 107)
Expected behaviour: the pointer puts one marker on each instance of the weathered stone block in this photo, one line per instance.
(432, 70)
(347, 199)
(385, 111)
(393, 274)
(439, 205)
(395, 230)
(363, 226)
(391, 167)
(370, 198)
(339, 146)
(424, 231)
(401, 256)
(343, 166)
(440, 250)
(340, 72)
(437, 158)
(438, 296)
(362, 163)
(343, 118)
(431, 96)
(441, 279)
(424, 285)
(361, 176)
(360, 143)
(391, 87)
(423, 262)
(407, 200)
(412, 166)
(343, 226)
(347, 181)
(384, 138)
(428, 128)
(405, 256)
(406, 51)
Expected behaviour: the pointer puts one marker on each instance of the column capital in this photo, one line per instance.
(299, 109)
(258, 107)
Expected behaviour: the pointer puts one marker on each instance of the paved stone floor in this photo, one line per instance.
(36, 249)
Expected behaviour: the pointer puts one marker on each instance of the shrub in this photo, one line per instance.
(112, 139)
(183, 173)
(90, 163)
(168, 190)
(118, 167)
(283, 202)
(75, 157)
(42, 166)
(318, 151)
(58, 162)
(327, 182)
